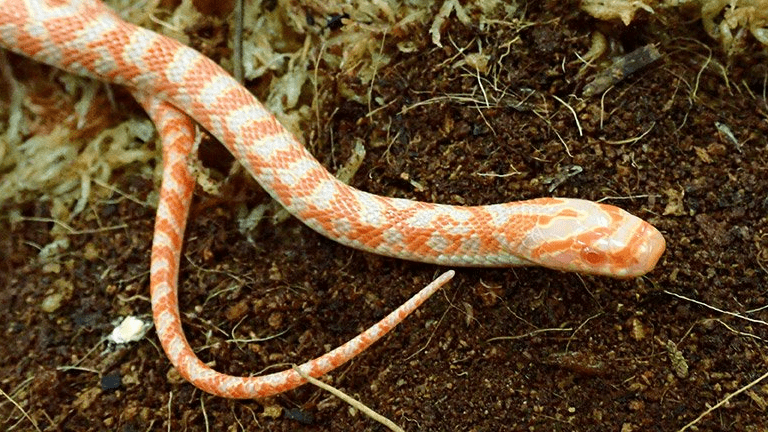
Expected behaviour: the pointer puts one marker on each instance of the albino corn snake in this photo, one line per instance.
(175, 83)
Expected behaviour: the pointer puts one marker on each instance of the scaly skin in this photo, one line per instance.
(84, 37)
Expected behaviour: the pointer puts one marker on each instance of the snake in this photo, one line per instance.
(179, 87)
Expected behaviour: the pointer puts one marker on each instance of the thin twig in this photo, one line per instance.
(573, 111)
(24, 413)
(724, 401)
(238, 45)
(350, 400)
(529, 334)
(756, 321)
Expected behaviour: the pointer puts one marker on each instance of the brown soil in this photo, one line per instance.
(583, 353)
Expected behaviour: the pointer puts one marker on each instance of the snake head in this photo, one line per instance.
(587, 237)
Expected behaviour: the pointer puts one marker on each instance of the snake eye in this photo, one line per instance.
(592, 256)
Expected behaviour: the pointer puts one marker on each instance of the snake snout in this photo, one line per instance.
(641, 252)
